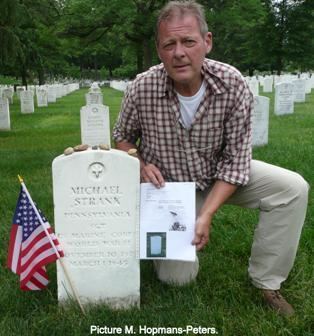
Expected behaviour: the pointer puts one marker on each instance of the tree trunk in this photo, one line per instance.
(41, 76)
(24, 76)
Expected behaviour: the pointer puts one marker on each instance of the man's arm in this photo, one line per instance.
(218, 195)
(149, 172)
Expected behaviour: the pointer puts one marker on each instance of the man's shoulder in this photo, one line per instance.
(154, 73)
(224, 71)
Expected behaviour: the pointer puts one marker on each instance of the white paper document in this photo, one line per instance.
(167, 221)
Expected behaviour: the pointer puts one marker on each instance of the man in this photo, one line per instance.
(190, 120)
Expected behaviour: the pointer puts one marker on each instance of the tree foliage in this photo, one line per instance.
(88, 38)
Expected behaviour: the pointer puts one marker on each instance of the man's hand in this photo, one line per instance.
(202, 231)
(150, 173)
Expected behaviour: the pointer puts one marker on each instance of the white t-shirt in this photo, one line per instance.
(189, 105)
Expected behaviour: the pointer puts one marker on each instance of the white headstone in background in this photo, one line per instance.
(284, 99)
(299, 90)
(95, 88)
(119, 85)
(8, 93)
(254, 86)
(94, 98)
(95, 125)
(27, 101)
(59, 90)
(268, 84)
(260, 121)
(96, 211)
(52, 94)
(42, 97)
(19, 89)
(308, 86)
(4, 114)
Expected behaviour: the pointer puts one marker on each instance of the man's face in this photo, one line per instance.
(182, 49)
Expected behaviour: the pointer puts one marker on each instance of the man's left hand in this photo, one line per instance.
(202, 231)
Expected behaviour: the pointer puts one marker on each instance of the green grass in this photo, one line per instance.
(222, 297)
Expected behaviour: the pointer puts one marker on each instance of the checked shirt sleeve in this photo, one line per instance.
(127, 126)
(233, 165)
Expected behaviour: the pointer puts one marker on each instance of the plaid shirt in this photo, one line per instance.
(218, 144)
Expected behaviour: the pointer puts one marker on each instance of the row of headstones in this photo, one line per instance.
(269, 82)
(299, 86)
(119, 85)
(45, 94)
(286, 94)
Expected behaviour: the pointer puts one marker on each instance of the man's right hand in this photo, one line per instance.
(150, 173)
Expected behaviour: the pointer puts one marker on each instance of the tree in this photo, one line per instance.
(234, 24)
(9, 40)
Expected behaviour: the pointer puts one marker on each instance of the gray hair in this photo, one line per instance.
(181, 8)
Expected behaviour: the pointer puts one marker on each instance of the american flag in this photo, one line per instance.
(30, 248)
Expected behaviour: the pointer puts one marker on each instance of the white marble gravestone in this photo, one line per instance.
(308, 86)
(27, 101)
(268, 84)
(299, 90)
(8, 93)
(42, 97)
(96, 208)
(52, 94)
(254, 86)
(95, 88)
(260, 121)
(4, 114)
(95, 125)
(19, 89)
(284, 99)
(94, 98)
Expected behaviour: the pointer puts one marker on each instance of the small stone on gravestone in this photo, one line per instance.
(284, 99)
(260, 121)
(4, 114)
(27, 102)
(95, 125)
(299, 90)
(96, 207)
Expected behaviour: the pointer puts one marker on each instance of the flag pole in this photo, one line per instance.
(52, 244)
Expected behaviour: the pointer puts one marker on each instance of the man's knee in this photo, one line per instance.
(299, 187)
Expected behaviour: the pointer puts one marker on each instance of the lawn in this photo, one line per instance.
(221, 298)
